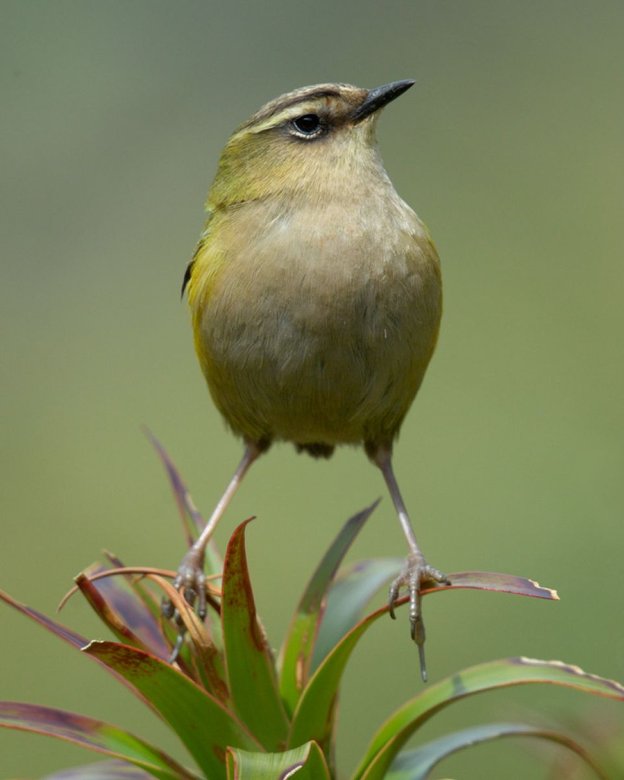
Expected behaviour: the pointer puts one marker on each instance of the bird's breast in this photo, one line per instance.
(316, 323)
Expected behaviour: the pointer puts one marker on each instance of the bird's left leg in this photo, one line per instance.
(416, 571)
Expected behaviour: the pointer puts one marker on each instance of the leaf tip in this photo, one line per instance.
(552, 592)
(574, 670)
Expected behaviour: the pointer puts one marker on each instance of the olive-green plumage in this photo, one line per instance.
(315, 290)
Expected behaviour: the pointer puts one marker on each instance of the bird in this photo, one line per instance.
(316, 298)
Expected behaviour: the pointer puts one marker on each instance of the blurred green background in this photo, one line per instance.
(509, 147)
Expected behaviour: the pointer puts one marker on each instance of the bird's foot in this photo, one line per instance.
(416, 573)
(190, 580)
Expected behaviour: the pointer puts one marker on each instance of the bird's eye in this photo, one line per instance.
(308, 124)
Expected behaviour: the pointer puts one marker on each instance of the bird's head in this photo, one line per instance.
(308, 141)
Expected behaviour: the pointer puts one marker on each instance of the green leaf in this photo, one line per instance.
(416, 764)
(492, 581)
(306, 762)
(186, 505)
(59, 630)
(299, 644)
(347, 597)
(103, 770)
(137, 585)
(313, 718)
(126, 616)
(67, 635)
(497, 582)
(199, 659)
(203, 724)
(184, 502)
(393, 734)
(252, 680)
(93, 735)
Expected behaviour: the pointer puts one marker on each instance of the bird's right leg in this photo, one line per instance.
(190, 579)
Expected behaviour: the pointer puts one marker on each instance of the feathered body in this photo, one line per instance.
(315, 290)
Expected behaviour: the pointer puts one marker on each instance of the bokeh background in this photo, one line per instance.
(509, 147)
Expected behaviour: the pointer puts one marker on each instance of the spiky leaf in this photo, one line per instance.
(252, 680)
(202, 723)
(299, 644)
(393, 734)
(347, 597)
(92, 734)
(417, 764)
(103, 770)
(306, 762)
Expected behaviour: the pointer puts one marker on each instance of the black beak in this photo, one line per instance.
(379, 97)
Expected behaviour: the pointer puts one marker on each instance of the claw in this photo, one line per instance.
(177, 647)
(393, 595)
(191, 582)
(166, 608)
(415, 574)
